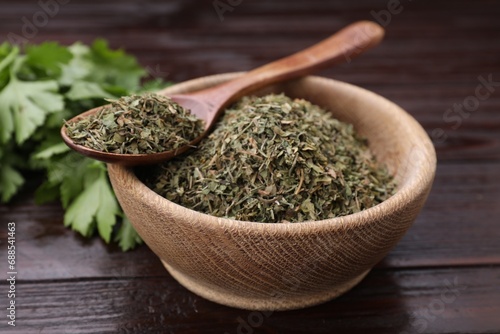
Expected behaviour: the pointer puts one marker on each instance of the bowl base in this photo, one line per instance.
(261, 304)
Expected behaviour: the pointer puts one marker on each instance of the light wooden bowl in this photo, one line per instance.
(260, 266)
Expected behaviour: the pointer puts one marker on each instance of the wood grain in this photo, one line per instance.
(430, 59)
(416, 301)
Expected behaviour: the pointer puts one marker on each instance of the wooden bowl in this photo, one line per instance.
(259, 266)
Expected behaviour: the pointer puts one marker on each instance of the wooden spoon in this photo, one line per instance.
(208, 104)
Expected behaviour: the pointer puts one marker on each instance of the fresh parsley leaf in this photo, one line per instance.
(71, 187)
(115, 67)
(81, 90)
(127, 237)
(11, 180)
(7, 56)
(47, 193)
(6, 51)
(154, 85)
(76, 180)
(38, 90)
(79, 67)
(52, 150)
(46, 59)
(25, 105)
(66, 172)
(95, 204)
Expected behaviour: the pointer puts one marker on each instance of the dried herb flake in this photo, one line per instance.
(137, 124)
(273, 159)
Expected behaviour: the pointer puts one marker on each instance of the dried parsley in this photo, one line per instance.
(137, 124)
(273, 159)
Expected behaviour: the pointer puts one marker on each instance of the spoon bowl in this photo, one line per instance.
(208, 104)
(122, 159)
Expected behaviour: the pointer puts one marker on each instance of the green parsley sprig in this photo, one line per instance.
(40, 86)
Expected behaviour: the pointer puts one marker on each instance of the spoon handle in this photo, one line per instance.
(347, 43)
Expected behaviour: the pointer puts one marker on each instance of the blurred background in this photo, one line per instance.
(433, 58)
(431, 48)
(187, 39)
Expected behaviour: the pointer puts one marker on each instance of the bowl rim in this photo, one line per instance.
(415, 187)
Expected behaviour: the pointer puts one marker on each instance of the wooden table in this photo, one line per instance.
(443, 277)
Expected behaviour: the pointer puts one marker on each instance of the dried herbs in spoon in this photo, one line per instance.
(273, 159)
(137, 124)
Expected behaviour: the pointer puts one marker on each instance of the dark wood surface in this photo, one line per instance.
(444, 275)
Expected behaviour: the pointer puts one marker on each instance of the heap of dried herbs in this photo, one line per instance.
(137, 124)
(273, 159)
